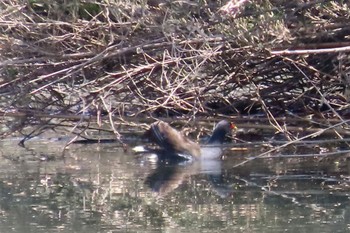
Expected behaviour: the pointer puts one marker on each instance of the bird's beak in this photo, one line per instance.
(233, 126)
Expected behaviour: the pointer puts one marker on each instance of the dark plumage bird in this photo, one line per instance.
(174, 144)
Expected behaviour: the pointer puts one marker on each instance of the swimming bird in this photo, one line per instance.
(175, 145)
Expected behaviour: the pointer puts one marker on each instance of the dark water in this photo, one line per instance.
(100, 188)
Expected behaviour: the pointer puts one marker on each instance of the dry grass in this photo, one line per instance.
(70, 62)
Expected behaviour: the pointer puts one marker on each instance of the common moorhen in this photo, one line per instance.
(175, 145)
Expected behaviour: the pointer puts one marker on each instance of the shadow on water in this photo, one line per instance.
(99, 188)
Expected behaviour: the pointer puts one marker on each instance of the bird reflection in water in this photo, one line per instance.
(167, 177)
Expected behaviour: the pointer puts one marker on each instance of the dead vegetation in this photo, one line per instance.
(74, 63)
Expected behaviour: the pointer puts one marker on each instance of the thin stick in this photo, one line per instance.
(311, 51)
(290, 143)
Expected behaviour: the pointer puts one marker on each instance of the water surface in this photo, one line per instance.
(101, 188)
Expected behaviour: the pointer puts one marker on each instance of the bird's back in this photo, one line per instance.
(172, 140)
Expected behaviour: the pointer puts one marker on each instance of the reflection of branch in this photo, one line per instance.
(267, 190)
